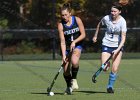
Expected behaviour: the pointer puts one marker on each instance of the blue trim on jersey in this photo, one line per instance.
(78, 46)
(109, 49)
(73, 18)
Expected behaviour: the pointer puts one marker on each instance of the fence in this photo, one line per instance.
(42, 44)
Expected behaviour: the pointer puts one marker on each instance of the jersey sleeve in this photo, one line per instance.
(124, 26)
(103, 21)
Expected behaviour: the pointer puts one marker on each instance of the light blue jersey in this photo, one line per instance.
(113, 31)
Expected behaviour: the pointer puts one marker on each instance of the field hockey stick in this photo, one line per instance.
(63, 64)
(100, 69)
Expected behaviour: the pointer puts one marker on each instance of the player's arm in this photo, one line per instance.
(82, 31)
(62, 40)
(96, 32)
(123, 37)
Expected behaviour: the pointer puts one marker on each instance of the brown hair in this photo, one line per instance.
(117, 6)
(66, 6)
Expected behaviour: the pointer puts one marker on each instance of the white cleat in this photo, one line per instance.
(74, 84)
(68, 91)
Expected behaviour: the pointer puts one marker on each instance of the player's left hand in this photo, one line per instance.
(72, 46)
(94, 39)
(115, 51)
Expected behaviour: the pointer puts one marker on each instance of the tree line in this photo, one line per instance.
(44, 13)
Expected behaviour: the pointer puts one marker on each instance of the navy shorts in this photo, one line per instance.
(78, 46)
(109, 49)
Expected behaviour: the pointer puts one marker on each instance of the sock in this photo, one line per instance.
(112, 78)
(74, 72)
(68, 80)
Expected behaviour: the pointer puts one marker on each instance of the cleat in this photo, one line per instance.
(110, 90)
(74, 84)
(68, 91)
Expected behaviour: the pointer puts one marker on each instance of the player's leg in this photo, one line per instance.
(75, 66)
(106, 53)
(67, 76)
(113, 73)
(104, 56)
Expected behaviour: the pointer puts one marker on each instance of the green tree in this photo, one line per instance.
(9, 9)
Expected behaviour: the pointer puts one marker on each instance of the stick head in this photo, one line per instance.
(48, 89)
(94, 80)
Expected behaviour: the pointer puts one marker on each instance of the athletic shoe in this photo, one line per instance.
(74, 84)
(68, 91)
(110, 90)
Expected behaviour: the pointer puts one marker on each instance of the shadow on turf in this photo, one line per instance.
(90, 92)
(47, 93)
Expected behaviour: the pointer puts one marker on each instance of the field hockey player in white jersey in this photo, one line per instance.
(113, 41)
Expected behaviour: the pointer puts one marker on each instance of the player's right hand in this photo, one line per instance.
(64, 59)
(94, 39)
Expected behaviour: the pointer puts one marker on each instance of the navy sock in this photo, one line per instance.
(68, 80)
(74, 72)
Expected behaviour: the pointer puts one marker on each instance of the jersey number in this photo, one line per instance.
(111, 35)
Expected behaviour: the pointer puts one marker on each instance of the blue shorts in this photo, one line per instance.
(78, 46)
(109, 49)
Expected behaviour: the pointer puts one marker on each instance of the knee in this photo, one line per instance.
(114, 69)
(75, 64)
(66, 73)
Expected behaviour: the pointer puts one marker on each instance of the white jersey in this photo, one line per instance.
(113, 31)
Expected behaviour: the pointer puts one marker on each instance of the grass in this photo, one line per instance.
(49, 56)
(28, 80)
